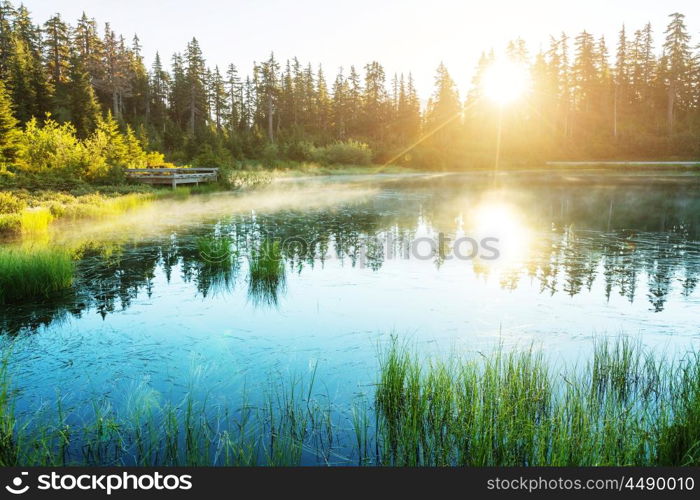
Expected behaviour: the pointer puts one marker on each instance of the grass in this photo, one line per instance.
(216, 251)
(512, 409)
(267, 273)
(32, 210)
(33, 274)
(625, 407)
(219, 263)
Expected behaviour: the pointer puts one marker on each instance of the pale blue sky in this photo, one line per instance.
(403, 35)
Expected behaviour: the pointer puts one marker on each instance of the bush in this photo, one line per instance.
(10, 224)
(344, 153)
(52, 147)
(269, 154)
(300, 151)
(11, 204)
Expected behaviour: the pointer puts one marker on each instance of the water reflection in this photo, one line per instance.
(640, 244)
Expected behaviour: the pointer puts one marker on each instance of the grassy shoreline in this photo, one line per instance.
(626, 407)
(26, 211)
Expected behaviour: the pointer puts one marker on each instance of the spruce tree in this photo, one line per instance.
(9, 133)
(82, 105)
(679, 64)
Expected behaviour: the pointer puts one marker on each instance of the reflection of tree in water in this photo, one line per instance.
(641, 237)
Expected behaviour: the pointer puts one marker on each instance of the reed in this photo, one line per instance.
(267, 273)
(217, 251)
(625, 407)
(30, 274)
(35, 220)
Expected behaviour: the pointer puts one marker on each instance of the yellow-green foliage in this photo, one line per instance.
(35, 220)
(55, 148)
(11, 204)
(10, 223)
(52, 147)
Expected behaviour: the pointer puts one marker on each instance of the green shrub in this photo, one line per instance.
(300, 151)
(10, 224)
(269, 154)
(344, 153)
(52, 147)
(11, 204)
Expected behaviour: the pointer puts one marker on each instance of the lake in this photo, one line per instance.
(448, 262)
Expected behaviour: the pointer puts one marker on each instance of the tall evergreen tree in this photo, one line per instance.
(83, 109)
(9, 133)
(679, 63)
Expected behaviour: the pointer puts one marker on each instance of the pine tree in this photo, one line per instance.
(218, 99)
(158, 93)
(7, 13)
(622, 80)
(83, 109)
(235, 98)
(195, 81)
(57, 50)
(375, 102)
(9, 133)
(30, 89)
(89, 46)
(679, 63)
(442, 117)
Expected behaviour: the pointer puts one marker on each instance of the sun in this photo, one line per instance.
(505, 81)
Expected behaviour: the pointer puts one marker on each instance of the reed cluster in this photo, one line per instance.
(34, 273)
(625, 407)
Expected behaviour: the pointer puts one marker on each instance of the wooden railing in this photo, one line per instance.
(173, 176)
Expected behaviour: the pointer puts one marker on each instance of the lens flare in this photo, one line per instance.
(505, 81)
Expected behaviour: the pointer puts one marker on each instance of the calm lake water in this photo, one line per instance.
(578, 259)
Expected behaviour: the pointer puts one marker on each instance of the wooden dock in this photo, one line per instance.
(173, 176)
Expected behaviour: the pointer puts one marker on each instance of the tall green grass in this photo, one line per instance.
(216, 251)
(267, 273)
(219, 263)
(625, 407)
(30, 274)
(36, 220)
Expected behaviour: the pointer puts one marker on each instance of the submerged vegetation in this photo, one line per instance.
(267, 273)
(625, 407)
(34, 273)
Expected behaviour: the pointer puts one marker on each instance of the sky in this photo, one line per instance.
(408, 35)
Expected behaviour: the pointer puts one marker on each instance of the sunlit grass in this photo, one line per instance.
(35, 220)
(30, 274)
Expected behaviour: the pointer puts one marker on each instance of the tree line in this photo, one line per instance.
(584, 101)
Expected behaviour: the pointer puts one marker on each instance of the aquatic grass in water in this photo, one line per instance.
(267, 273)
(624, 408)
(216, 251)
(219, 263)
(30, 274)
(500, 409)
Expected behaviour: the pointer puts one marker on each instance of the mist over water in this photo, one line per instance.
(149, 312)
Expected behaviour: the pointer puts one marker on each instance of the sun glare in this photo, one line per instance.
(502, 221)
(505, 81)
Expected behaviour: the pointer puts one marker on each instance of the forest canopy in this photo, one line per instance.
(79, 99)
